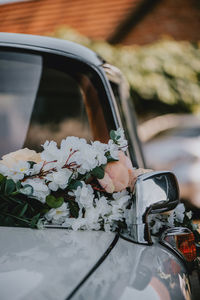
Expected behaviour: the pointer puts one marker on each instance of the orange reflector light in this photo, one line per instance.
(185, 243)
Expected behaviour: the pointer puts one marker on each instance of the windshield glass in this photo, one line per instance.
(46, 97)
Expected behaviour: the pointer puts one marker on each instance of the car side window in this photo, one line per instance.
(59, 110)
(49, 97)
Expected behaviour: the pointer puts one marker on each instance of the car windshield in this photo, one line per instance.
(48, 97)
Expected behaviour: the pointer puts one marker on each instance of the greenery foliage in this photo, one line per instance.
(165, 73)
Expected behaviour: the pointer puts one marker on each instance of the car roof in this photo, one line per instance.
(33, 41)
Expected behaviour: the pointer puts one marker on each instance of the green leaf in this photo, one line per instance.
(16, 211)
(74, 185)
(24, 209)
(113, 135)
(10, 186)
(54, 202)
(31, 163)
(111, 159)
(70, 179)
(98, 172)
(1, 178)
(2, 185)
(34, 221)
(27, 190)
(18, 185)
(17, 218)
(14, 199)
(74, 208)
(7, 221)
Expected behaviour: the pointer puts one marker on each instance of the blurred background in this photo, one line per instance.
(155, 43)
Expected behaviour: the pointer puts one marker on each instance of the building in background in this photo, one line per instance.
(117, 21)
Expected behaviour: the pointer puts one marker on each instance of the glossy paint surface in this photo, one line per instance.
(46, 264)
(134, 271)
(31, 41)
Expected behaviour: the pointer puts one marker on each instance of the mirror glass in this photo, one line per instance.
(159, 190)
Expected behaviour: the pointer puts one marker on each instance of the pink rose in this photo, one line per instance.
(120, 175)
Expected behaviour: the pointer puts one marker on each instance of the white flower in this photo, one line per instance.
(180, 212)
(17, 171)
(171, 219)
(107, 227)
(86, 158)
(94, 215)
(92, 219)
(4, 170)
(40, 189)
(78, 224)
(113, 148)
(103, 207)
(121, 200)
(189, 214)
(35, 169)
(84, 195)
(50, 152)
(159, 223)
(58, 179)
(122, 142)
(73, 143)
(100, 150)
(58, 215)
(118, 206)
(123, 196)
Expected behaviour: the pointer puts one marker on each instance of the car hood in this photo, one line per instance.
(47, 264)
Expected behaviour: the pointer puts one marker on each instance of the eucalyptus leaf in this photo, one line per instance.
(70, 179)
(18, 185)
(113, 135)
(111, 159)
(54, 202)
(27, 190)
(34, 221)
(10, 186)
(98, 172)
(74, 185)
(24, 209)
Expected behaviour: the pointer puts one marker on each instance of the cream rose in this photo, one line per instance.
(25, 154)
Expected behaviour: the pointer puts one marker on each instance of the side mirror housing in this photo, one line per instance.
(155, 192)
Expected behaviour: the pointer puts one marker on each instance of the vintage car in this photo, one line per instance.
(50, 89)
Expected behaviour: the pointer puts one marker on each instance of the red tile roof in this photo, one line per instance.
(179, 19)
(94, 18)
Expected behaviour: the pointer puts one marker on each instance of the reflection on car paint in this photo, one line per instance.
(133, 269)
(59, 258)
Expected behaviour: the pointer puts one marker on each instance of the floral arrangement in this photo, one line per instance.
(179, 217)
(78, 185)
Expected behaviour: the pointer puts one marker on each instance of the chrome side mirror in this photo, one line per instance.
(155, 192)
